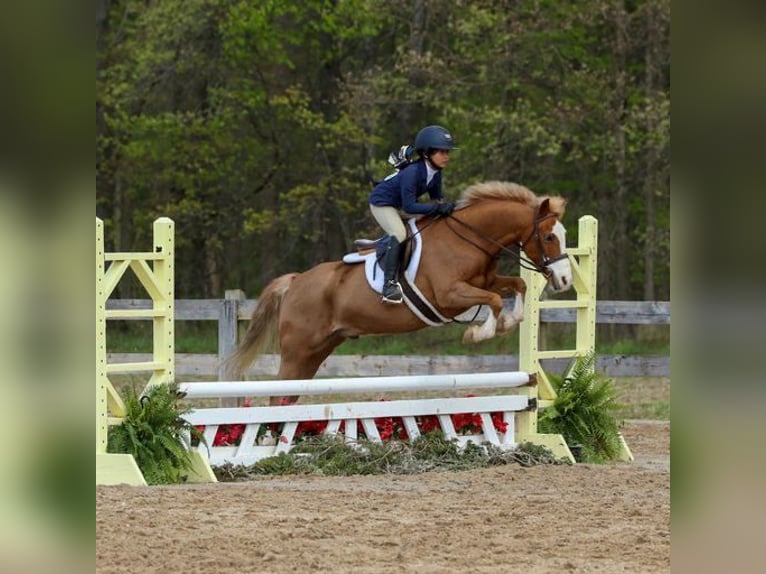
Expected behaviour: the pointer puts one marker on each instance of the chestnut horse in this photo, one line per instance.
(315, 311)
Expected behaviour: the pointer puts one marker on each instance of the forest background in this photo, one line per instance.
(259, 126)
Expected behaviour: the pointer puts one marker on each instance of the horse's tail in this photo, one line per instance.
(263, 330)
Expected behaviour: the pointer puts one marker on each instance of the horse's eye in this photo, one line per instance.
(549, 238)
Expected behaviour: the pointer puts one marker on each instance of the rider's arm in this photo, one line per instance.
(409, 181)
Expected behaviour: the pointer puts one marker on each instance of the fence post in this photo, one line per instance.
(162, 281)
(227, 332)
(586, 315)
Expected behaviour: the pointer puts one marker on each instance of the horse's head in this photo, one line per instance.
(546, 244)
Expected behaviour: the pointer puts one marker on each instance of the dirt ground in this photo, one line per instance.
(582, 518)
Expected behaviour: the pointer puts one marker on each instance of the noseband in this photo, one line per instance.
(544, 267)
(525, 262)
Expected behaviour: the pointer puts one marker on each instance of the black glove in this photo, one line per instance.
(444, 209)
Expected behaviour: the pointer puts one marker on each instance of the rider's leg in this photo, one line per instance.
(391, 222)
(392, 291)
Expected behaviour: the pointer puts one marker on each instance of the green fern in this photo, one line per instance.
(583, 411)
(155, 433)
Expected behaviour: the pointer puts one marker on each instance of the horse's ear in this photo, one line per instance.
(545, 207)
(553, 205)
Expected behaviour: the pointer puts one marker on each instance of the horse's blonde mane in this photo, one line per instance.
(506, 190)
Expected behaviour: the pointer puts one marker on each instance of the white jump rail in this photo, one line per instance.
(222, 389)
(354, 414)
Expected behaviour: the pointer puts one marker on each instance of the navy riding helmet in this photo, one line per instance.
(433, 137)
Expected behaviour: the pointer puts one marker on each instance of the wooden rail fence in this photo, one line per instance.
(235, 307)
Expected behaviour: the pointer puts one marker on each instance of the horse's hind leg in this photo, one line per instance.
(299, 362)
(307, 324)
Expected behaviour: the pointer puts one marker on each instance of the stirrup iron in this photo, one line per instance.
(398, 294)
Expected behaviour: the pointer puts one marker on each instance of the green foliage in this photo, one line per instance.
(154, 432)
(583, 412)
(331, 456)
(257, 126)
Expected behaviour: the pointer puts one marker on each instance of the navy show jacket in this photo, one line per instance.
(402, 189)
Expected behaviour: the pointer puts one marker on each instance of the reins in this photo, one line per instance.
(426, 226)
(524, 261)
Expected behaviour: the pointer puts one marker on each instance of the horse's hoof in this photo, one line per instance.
(468, 336)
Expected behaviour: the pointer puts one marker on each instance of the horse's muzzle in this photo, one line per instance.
(558, 272)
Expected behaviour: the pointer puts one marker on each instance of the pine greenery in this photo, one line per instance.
(155, 433)
(431, 452)
(583, 411)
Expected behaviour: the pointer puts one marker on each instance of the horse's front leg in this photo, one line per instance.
(464, 296)
(504, 286)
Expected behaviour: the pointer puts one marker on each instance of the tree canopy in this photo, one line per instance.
(259, 126)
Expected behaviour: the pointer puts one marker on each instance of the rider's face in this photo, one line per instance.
(440, 158)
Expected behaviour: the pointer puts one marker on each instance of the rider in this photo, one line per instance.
(401, 191)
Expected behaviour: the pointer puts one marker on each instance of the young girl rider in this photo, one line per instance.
(401, 192)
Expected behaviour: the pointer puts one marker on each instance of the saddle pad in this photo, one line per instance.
(373, 270)
(413, 298)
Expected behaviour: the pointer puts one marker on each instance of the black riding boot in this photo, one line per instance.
(392, 292)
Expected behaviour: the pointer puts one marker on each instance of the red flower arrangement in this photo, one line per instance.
(388, 427)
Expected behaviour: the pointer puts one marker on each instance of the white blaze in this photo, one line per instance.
(561, 270)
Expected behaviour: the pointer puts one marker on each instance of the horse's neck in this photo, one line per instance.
(504, 221)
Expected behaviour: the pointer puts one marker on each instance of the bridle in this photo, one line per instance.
(524, 261)
(544, 267)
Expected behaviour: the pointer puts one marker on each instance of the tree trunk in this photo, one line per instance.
(620, 238)
(212, 272)
(415, 49)
(650, 178)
